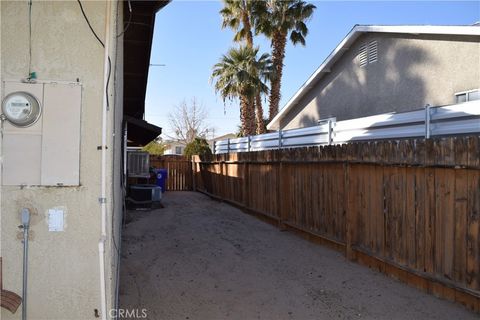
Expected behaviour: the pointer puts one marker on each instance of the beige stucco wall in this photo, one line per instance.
(63, 266)
(411, 71)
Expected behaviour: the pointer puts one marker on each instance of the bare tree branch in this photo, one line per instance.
(188, 121)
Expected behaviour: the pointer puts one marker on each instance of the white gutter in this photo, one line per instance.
(103, 197)
(350, 38)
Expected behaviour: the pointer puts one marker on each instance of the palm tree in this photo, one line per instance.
(276, 19)
(236, 15)
(239, 74)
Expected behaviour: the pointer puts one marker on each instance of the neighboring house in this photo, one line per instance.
(174, 147)
(379, 69)
(67, 167)
(211, 142)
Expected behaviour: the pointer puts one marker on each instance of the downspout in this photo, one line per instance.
(103, 197)
(124, 184)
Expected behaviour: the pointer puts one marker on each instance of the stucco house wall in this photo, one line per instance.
(411, 71)
(63, 277)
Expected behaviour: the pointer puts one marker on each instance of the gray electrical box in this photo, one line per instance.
(46, 152)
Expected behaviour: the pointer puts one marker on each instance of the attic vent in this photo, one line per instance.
(372, 51)
(362, 56)
(367, 53)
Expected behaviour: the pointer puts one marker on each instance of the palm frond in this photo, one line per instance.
(239, 73)
(297, 37)
(283, 16)
(301, 27)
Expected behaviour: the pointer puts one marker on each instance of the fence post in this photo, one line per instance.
(248, 139)
(427, 121)
(350, 219)
(246, 178)
(281, 208)
(193, 167)
(228, 146)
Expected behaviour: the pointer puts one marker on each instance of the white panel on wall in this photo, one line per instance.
(21, 158)
(61, 134)
(47, 152)
(22, 146)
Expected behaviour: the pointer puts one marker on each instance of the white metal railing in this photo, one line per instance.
(462, 118)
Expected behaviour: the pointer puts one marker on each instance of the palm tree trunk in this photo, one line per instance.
(247, 116)
(248, 28)
(249, 40)
(251, 117)
(259, 114)
(279, 41)
(243, 115)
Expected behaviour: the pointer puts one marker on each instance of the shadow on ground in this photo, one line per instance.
(202, 259)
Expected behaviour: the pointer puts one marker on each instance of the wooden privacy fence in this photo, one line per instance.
(408, 208)
(179, 168)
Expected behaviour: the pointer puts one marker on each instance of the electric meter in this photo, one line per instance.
(21, 109)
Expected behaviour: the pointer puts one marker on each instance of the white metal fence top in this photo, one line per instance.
(462, 118)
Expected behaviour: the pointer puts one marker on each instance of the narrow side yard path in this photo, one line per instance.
(202, 259)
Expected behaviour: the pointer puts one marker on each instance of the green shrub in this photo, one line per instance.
(198, 146)
(155, 148)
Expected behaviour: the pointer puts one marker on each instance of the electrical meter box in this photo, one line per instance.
(41, 133)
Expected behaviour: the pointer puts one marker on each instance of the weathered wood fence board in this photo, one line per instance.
(180, 177)
(410, 208)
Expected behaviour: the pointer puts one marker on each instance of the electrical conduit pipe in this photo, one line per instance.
(25, 226)
(103, 199)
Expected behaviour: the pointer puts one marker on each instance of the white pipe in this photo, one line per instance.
(2, 121)
(103, 298)
(103, 202)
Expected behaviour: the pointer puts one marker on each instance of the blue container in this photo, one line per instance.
(161, 178)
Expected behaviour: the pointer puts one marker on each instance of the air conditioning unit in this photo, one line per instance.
(138, 164)
(144, 196)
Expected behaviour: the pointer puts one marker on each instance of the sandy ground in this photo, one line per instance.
(202, 259)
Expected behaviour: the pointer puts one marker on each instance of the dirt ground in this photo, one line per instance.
(202, 259)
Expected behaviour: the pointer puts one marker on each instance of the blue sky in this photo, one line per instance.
(189, 40)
